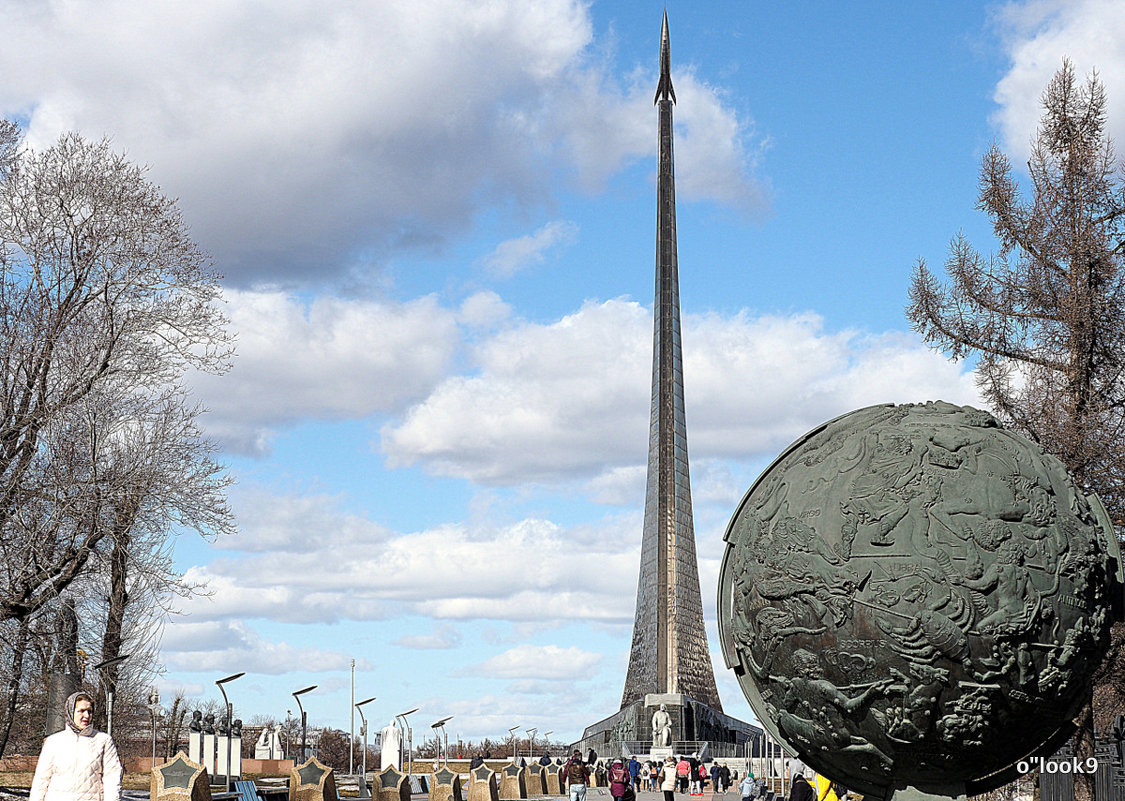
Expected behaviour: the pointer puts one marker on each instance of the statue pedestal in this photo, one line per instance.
(209, 753)
(661, 753)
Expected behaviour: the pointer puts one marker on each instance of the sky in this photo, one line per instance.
(436, 223)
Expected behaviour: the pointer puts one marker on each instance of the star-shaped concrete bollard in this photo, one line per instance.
(178, 774)
(311, 773)
(444, 776)
(389, 778)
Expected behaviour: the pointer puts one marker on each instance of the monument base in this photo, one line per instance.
(696, 729)
(950, 793)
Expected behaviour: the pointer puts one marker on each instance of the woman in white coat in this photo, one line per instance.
(77, 763)
(668, 778)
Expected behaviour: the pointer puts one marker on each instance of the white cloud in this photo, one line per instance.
(618, 486)
(545, 662)
(327, 359)
(610, 127)
(294, 524)
(570, 399)
(443, 637)
(717, 152)
(548, 400)
(514, 255)
(483, 309)
(530, 571)
(232, 645)
(1038, 36)
(305, 139)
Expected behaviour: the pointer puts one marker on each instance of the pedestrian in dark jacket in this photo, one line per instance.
(577, 777)
(802, 790)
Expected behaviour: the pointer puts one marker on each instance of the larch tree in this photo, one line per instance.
(1045, 315)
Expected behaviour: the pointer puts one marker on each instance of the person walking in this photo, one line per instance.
(748, 788)
(668, 778)
(693, 775)
(577, 777)
(634, 771)
(801, 790)
(683, 772)
(724, 777)
(78, 763)
(618, 779)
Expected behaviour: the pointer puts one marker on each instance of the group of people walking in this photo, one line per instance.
(80, 763)
(685, 774)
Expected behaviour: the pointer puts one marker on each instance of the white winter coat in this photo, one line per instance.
(74, 768)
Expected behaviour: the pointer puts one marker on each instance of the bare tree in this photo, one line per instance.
(29, 649)
(1046, 315)
(105, 301)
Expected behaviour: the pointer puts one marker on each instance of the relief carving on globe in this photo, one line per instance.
(915, 594)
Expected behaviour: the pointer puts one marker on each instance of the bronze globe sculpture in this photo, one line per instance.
(913, 599)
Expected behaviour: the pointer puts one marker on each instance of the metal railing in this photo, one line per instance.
(699, 748)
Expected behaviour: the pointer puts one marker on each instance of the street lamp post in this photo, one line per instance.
(547, 742)
(440, 726)
(153, 707)
(512, 734)
(304, 718)
(101, 667)
(363, 733)
(531, 741)
(227, 708)
(409, 739)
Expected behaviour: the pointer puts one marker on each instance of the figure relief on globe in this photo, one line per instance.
(913, 596)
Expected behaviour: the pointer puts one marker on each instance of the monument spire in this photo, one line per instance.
(664, 89)
(669, 653)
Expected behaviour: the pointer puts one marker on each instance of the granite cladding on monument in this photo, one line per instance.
(669, 651)
(669, 660)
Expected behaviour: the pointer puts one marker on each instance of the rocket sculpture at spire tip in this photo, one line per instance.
(664, 90)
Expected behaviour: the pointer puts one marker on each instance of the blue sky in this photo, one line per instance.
(436, 223)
